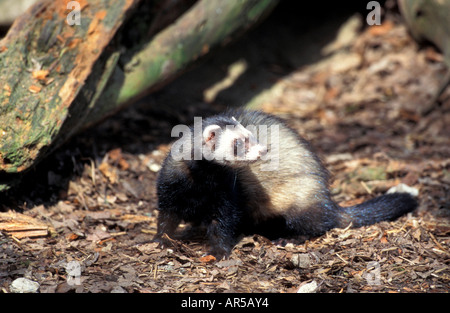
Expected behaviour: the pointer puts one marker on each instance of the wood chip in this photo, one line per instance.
(22, 226)
(34, 89)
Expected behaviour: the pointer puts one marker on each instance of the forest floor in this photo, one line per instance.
(360, 97)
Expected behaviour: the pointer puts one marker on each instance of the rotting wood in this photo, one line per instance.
(22, 226)
(34, 107)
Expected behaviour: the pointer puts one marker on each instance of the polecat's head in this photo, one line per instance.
(231, 144)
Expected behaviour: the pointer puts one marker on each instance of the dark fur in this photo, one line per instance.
(293, 202)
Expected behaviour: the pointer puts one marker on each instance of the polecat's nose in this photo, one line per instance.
(262, 151)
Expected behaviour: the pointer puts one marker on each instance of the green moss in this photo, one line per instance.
(369, 174)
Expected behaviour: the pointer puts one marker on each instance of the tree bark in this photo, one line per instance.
(57, 79)
(429, 20)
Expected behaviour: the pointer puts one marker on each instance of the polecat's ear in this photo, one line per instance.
(211, 135)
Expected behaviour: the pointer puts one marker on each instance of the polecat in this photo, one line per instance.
(244, 172)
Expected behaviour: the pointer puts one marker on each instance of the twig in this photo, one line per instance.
(337, 254)
(366, 187)
(438, 244)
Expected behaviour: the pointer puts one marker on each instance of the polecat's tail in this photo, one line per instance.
(383, 208)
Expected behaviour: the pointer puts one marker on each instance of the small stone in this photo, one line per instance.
(24, 285)
(308, 288)
(118, 289)
(404, 188)
(154, 167)
(301, 260)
